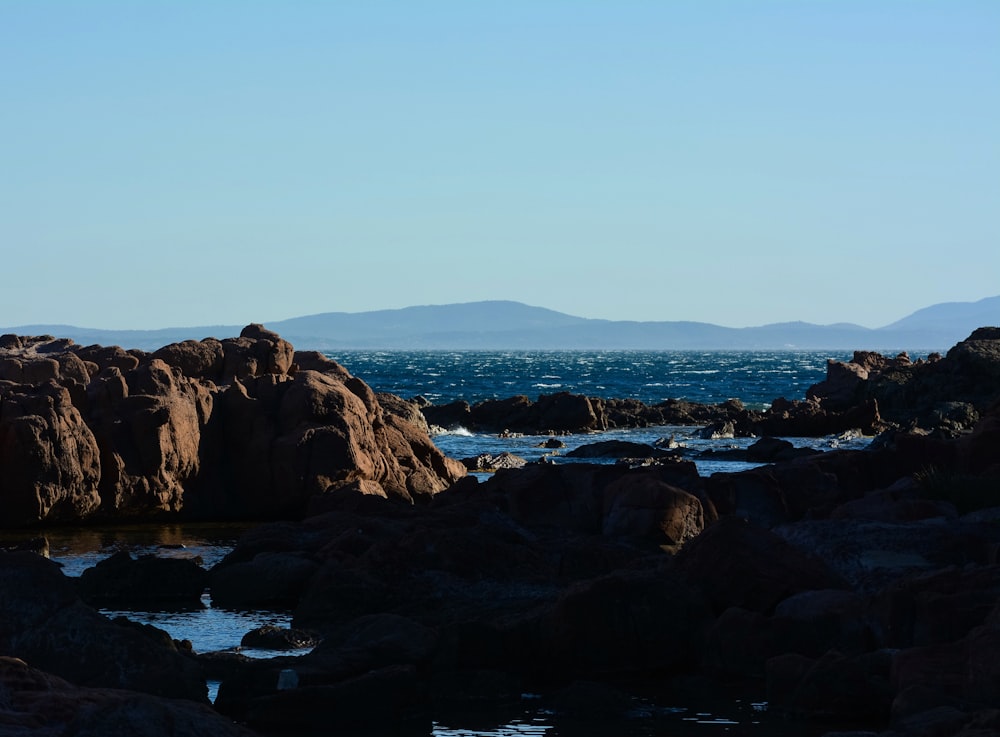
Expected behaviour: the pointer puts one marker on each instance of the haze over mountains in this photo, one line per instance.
(512, 325)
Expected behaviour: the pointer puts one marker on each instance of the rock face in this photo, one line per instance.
(212, 428)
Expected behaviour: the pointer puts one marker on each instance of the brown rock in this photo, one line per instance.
(49, 459)
(196, 359)
(644, 506)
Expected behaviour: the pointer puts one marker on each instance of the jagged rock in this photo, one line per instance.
(212, 428)
(49, 459)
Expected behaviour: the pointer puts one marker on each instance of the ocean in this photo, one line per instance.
(754, 377)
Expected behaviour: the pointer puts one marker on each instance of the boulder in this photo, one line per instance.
(270, 637)
(643, 505)
(489, 462)
(122, 582)
(616, 449)
(272, 580)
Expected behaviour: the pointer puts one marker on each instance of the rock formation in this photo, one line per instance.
(236, 428)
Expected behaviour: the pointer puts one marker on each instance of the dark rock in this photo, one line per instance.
(833, 687)
(871, 555)
(270, 637)
(590, 700)
(488, 462)
(552, 443)
(740, 564)
(267, 580)
(962, 673)
(937, 607)
(43, 622)
(583, 632)
(375, 701)
(44, 705)
(771, 450)
(147, 583)
(645, 506)
(616, 449)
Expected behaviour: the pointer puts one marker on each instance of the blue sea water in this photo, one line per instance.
(754, 377)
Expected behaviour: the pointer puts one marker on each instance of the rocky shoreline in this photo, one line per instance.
(856, 588)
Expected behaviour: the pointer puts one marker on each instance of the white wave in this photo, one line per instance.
(459, 430)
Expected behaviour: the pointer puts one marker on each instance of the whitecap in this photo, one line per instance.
(458, 430)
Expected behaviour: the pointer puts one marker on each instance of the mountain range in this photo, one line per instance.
(497, 325)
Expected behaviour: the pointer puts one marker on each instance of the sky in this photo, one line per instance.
(740, 162)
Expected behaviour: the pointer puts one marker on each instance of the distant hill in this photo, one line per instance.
(512, 325)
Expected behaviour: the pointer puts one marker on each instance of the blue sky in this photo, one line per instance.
(742, 162)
